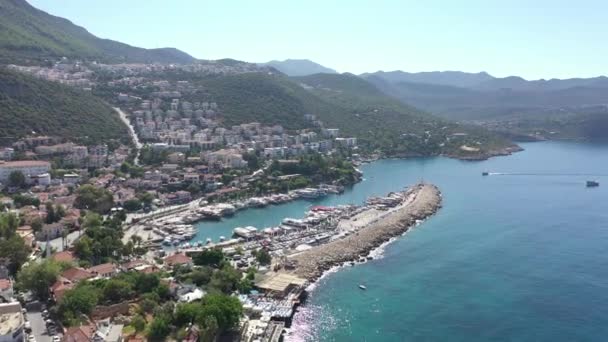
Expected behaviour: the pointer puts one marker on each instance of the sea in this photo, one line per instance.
(518, 255)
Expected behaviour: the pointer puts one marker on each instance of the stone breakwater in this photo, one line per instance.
(312, 263)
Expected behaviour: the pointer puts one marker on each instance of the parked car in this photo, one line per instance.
(56, 339)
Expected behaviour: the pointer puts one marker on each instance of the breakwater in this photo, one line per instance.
(425, 200)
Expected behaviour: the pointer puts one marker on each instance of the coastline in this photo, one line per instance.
(314, 263)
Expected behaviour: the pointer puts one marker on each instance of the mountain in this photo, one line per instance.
(31, 35)
(545, 109)
(448, 78)
(29, 104)
(518, 83)
(299, 67)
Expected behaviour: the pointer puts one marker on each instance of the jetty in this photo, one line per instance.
(421, 201)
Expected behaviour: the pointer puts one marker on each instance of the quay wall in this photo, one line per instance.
(311, 264)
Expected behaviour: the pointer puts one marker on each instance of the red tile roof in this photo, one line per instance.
(83, 333)
(177, 259)
(102, 269)
(76, 274)
(65, 256)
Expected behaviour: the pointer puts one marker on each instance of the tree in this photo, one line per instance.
(8, 225)
(226, 310)
(193, 188)
(159, 329)
(147, 305)
(146, 198)
(116, 290)
(263, 257)
(95, 199)
(21, 200)
(36, 225)
(209, 329)
(201, 276)
(209, 257)
(78, 301)
(185, 313)
(138, 323)
(50, 213)
(15, 251)
(38, 277)
(16, 179)
(132, 205)
(226, 279)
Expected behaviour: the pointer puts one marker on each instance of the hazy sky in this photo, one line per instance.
(533, 39)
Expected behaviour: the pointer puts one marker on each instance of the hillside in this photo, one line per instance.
(28, 104)
(343, 101)
(31, 35)
(299, 67)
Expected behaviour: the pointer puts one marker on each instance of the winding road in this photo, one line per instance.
(138, 144)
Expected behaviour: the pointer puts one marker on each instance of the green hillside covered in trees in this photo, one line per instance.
(29, 104)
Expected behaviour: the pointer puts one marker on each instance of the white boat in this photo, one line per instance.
(311, 193)
(362, 287)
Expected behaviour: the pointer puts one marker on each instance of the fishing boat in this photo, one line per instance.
(485, 173)
(362, 287)
(592, 184)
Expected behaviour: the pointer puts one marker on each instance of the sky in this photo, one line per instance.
(533, 39)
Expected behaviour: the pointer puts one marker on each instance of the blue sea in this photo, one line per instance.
(519, 255)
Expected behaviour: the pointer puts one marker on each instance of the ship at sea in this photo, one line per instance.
(592, 184)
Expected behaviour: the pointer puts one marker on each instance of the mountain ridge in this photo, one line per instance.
(299, 67)
(28, 34)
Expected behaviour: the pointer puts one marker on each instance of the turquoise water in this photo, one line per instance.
(508, 257)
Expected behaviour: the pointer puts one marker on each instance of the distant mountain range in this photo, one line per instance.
(449, 78)
(29, 35)
(299, 67)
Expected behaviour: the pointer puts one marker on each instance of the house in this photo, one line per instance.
(50, 231)
(59, 288)
(65, 256)
(12, 322)
(83, 333)
(26, 167)
(76, 274)
(108, 332)
(178, 259)
(106, 270)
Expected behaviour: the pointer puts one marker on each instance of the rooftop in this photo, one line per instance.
(279, 282)
(24, 163)
(11, 317)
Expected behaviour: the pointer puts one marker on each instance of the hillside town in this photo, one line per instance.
(79, 257)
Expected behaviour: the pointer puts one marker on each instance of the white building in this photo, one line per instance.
(27, 167)
(11, 322)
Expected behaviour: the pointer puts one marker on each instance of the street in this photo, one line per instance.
(38, 326)
(57, 243)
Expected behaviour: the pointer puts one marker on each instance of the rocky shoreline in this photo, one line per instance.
(312, 263)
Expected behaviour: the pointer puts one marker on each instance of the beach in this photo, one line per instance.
(423, 201)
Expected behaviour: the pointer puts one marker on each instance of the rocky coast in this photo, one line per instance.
(311, 264)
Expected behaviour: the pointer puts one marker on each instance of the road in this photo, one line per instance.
(38, 326)
(138, 144)
(57, 243)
